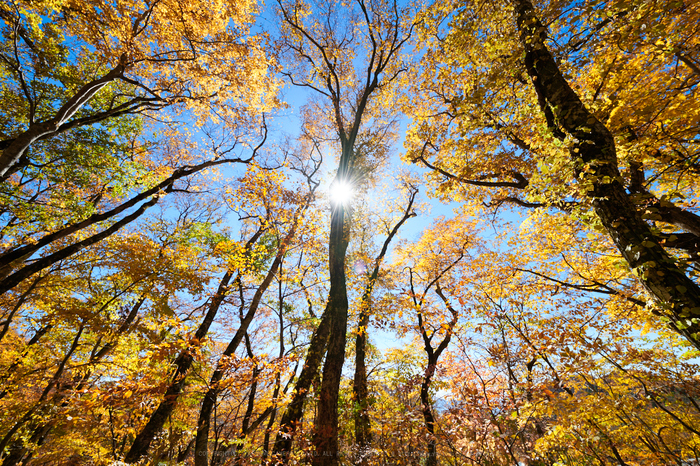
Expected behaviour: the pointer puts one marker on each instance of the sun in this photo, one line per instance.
(341, 192)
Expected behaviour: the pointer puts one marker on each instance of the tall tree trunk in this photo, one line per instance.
(363, 433)
(278, 376)
(433, 356)
(594, 147)
(325, 438)
(271, 421)
(386, 37)
(245, 424)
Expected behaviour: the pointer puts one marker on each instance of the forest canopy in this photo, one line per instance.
(371, 232)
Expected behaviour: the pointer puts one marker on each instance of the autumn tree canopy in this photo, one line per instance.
(510, 278)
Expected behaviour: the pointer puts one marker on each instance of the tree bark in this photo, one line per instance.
(325, 438)
(594, 155)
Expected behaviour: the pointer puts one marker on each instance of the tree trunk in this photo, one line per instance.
(245, 424)
(325, 438)
(433, 356)
(363, 433)
(278, 376)
(431, 459)
(271, 421)
(594, 149)
(182, 363)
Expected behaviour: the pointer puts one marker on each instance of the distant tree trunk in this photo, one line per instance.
(427, 411)
(433, 356)
(363, 432)
(220, 455)
(278, 377)
(245, 424)
(201, 444)
(271, 421)
(183, 362)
